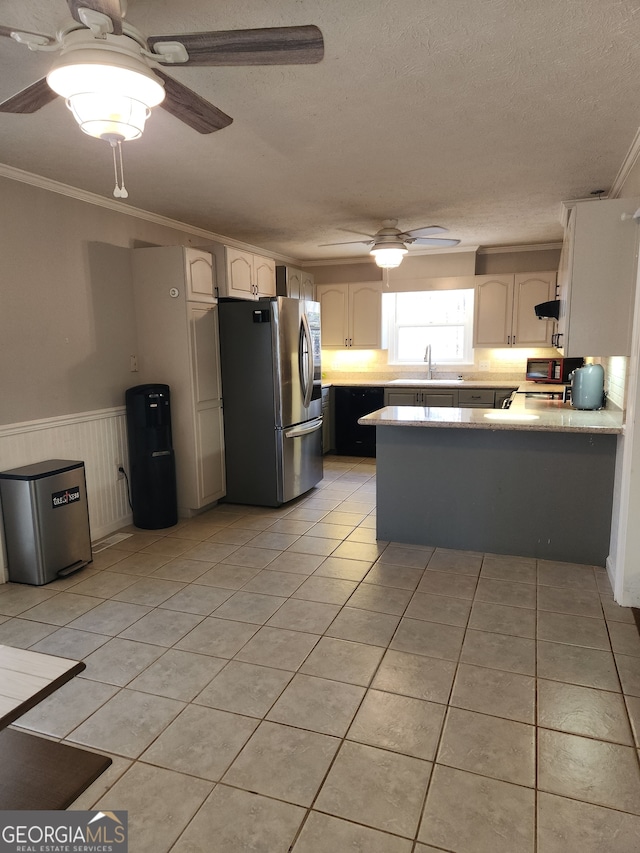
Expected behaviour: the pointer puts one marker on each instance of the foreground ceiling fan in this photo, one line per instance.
(389, 244)
(107, 70)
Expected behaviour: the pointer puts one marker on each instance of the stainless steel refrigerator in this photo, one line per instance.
(271, 388)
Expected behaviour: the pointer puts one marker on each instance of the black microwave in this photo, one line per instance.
(551, 369)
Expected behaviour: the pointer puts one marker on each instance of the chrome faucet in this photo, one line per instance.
(427, 358)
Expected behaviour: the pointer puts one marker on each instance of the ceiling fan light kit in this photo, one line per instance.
(109, 90)
(108, 73)
(389, 244)
(388, 256)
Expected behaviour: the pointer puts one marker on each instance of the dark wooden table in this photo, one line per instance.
(36, 773)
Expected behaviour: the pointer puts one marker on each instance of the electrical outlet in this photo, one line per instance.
(485, 365)
(133, 363)
(120, 473)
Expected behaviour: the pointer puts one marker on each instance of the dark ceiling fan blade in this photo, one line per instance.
(110, 8)
(6, 31)
(426, 231)
(29, 100)
(190, 108)
(267, 46)
(434, 241)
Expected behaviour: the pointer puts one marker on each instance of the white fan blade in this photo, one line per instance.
(425, 231)
(435, 241)
(347, 243)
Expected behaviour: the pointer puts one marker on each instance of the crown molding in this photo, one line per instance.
(627, 165)
(13, 174)
(332, 262)
(536, 247)
(366, 259)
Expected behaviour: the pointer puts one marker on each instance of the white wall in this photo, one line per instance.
(623, 564)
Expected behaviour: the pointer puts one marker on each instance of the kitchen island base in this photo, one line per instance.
(525, 493)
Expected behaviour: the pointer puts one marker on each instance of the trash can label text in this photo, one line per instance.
(67, 496)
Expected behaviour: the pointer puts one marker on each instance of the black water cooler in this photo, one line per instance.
(151, 457)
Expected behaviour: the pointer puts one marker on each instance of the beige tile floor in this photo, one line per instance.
(275, 680)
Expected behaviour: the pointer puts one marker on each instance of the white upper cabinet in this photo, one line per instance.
(596, 279)
(294, 283)
(529, 290)
(493, 310)
(334, 315)
(351, 315)
(243, 274)
(307, 286)
(200, 276)
(264, 274)
(504, 314)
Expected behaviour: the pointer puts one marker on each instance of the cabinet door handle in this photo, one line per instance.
(514, 339)
(346, 342)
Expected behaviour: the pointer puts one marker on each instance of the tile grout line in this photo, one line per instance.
(368, 687)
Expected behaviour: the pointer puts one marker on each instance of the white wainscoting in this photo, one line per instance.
(99, 439)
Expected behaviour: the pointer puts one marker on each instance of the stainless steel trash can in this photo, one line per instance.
(46, 520)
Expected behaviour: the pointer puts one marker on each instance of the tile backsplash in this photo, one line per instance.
(353, 365)
(615, 378)
(504, 364)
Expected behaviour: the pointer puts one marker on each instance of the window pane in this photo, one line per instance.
(431, 307)
(443, 319)
(447, 343)
(412, 343)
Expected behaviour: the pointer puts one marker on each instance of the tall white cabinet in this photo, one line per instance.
(596, 278)
(177, 326)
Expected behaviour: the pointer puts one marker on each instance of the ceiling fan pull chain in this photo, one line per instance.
(116, 190)
(123, 189)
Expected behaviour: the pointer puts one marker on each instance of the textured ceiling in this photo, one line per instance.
(478, 116)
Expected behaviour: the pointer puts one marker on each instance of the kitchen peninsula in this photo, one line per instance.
(534, 480)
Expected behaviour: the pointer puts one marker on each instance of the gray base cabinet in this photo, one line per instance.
(463, 398)
(520, 492)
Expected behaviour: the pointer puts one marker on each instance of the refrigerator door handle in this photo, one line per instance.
(304, 429)
(305, 354)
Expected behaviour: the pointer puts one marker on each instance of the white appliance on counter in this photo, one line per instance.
(587, 387)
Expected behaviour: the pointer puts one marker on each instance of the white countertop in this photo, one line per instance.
(422, 383)
(526, 413)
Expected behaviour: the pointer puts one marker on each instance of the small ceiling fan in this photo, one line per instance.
(389, 244)
(107, 70)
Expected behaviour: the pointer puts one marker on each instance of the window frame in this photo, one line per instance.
(391, 326)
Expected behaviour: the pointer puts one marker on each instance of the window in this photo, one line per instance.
(442, 318)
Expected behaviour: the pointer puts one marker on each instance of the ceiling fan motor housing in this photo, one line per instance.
(122, 53)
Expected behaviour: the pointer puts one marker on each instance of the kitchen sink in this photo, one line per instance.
(410, 382)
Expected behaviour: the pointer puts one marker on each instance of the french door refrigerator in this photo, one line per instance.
(271, 387)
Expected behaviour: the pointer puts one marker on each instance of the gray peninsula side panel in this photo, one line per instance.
(532, 494)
